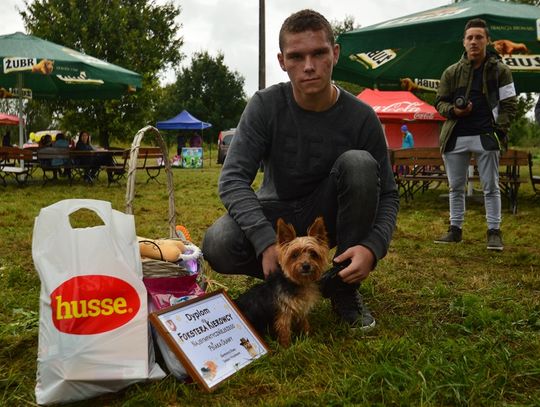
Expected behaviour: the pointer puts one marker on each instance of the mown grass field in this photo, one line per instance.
(456, 325)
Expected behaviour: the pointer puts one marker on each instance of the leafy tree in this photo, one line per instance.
(209, 90)
(523, 131)
(136, 34)
(339, 27)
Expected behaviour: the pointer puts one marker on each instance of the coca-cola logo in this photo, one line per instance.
(93, 304)
(424, 116)
(399, 107)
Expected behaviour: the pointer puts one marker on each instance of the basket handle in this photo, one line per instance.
(130, 192)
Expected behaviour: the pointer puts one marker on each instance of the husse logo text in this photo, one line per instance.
(93, 304)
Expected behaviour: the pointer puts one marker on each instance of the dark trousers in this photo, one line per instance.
(347, 200)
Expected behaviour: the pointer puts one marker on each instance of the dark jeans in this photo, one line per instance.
(347, 200)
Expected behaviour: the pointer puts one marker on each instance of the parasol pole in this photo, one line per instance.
(209, 146)
(21, 128)
(21, 124)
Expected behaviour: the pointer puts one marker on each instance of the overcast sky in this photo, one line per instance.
(231, 26)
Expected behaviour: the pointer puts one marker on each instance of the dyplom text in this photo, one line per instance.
(209, 329)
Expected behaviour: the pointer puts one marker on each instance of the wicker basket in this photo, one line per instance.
(151, 267)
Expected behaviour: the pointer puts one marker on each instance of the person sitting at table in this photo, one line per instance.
(83, 143)
(46, 142)
(92, 163)
(61, 142)
(91, 167)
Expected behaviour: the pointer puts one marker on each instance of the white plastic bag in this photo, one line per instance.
(93, 328)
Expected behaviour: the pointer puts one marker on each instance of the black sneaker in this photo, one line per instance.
(453, 236)
(494, 240)
(347, 303)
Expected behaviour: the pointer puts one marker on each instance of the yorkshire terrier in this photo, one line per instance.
(286, 297)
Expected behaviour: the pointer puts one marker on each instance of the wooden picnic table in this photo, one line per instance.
(17, 163)
(77, 164)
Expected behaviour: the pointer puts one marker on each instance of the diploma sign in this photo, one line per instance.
(210, 337)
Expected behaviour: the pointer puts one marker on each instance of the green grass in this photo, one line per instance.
(457, 325)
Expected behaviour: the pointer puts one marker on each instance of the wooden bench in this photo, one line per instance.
(416, 169)
(15, 162)
(87, 165)
(77, 164)
(151, 159)
(510, 179)
(55, 161)
(117, 170)
(535, 179)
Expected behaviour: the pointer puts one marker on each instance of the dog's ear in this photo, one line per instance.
(318, 230)
(285, 232)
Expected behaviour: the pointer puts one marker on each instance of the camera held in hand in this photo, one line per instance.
(461, 102)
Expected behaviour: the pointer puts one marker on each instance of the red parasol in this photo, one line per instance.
(8, 119)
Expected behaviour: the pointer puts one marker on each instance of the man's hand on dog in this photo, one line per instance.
(270, 260)
(362, 260)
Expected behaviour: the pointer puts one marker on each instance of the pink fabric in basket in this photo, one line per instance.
(167, 291)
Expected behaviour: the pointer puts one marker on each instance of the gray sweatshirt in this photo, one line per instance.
(298, 149)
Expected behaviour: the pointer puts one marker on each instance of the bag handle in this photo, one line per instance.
(66, 207)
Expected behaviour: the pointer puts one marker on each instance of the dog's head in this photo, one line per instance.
(302, 258)
(245, 343)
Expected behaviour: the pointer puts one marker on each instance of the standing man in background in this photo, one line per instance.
(478, 98)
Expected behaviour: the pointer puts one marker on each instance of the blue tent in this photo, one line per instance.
(184, 121)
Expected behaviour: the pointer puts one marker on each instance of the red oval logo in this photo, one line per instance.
(93, 304)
